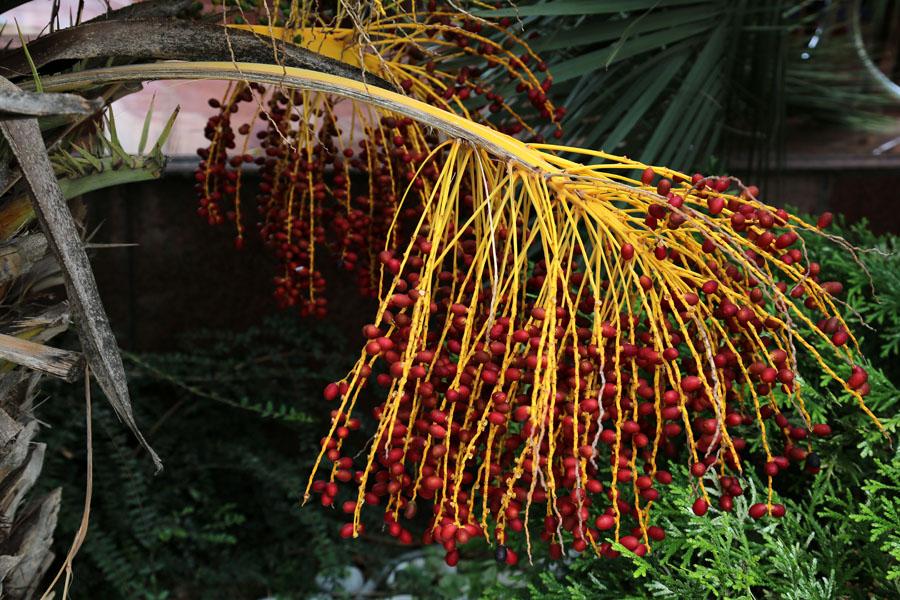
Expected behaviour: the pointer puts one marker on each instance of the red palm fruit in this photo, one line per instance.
(521, 414)
(797, 454)
(663, 187)
(630, 542)
(798, 433)
(630, 427)
(496, 418)
(671, 429)
(589, 405)
(664, 477)
(726, 503)
(715, 204)
(452, 558)
(670, 397)
(607, 551)
(555, 551)
(757, 510)
(691, 383)
(785, 376)
(821, 429)
(700, 507)
(650, 494)
(833, 287)
(647, 176)
(825, 220)
(858, 378)
(604, 522)
(709, 426)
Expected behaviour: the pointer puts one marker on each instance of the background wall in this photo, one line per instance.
(183, 274)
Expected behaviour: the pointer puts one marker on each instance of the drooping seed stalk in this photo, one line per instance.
(532, 282)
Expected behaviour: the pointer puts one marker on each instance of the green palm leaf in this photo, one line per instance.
(677, 81)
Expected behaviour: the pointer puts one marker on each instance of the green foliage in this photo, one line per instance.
(427, 575)
(236, 418)
(876, 323)
(825, 547)
(881, 513)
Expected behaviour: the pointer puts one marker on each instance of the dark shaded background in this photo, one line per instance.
(184, 275)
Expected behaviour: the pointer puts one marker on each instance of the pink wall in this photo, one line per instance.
(192, 96)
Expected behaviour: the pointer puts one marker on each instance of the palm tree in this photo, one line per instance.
(435, 124)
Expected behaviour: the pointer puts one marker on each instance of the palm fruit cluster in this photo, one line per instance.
(310, 147)
(558, 328)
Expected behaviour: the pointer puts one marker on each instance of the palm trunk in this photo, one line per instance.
(26, 523)
(26, 528)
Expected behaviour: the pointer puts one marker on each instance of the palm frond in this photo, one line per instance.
(768, 56)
